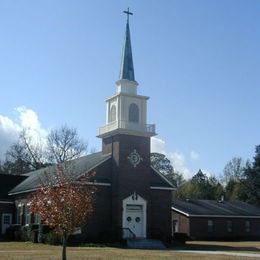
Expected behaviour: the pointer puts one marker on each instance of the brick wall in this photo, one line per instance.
(98, 225)
(199, 228)
(183, 223)
(127, 179)
(160, 214)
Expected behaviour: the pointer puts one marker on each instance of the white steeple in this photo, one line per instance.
(126, 111)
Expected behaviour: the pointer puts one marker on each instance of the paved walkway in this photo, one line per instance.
(255, 255)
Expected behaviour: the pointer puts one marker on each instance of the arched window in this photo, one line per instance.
(133, 113)
(112, 114)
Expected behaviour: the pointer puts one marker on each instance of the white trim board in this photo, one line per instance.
(163, 177)
(161, 188)
(87, 183)
(212, 216)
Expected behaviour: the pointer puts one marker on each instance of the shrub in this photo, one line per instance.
(13, 233)
(25, 233)
(52, 238)
(181, 237)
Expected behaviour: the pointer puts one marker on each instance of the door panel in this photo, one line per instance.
(134, 219)
(6, 221)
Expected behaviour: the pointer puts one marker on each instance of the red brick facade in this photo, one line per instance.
(127, 179)
(217, 228)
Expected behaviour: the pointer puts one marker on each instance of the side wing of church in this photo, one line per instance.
(132, 199)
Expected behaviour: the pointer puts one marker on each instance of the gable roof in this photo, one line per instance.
(80, 166)
(213, 208)
(159, 181)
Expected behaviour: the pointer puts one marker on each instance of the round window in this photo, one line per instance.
(129, 219)
(137, 219)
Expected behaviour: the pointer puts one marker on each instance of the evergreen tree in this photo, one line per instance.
(200, 187)
(251, 180)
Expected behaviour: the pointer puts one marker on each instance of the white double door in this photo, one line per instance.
(134, 219)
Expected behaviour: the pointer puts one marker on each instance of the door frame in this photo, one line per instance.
(135, 199)
(2, 226)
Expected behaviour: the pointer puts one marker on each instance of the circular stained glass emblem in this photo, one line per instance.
(134, 158)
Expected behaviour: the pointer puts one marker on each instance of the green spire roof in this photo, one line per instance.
(127, 66)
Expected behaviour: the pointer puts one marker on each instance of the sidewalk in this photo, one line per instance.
(255, 255)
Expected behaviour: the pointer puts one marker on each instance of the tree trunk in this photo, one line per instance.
(64, 247)
(40, 235)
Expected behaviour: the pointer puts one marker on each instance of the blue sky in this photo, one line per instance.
(199, 61)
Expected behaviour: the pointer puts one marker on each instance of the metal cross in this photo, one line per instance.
(128, 13)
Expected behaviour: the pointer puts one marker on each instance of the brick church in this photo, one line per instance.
(132, 198)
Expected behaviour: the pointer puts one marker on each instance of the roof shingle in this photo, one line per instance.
(215, 208)
(80, 166)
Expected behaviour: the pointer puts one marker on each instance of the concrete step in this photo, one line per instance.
(141, 243)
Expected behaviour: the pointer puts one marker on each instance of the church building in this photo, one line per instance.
(132, 199)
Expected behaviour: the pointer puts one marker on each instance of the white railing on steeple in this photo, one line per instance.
(147, 128)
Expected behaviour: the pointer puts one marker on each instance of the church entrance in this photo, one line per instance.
(134, 217)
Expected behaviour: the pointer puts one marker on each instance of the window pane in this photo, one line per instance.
(210, 226)
(7, 219)
(113, 114)
(133, 113)
(229, 226)
(247, 226)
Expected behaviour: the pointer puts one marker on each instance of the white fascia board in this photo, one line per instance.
(87, 183)
(6, 202)
(161, 188)
(223, 216)
(180, 211)
(128, 95)
(20, 192)
(211, 216)
(163, 177)
(98, 183)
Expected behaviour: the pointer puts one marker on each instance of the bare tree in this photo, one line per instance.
(233, 170)
(25, 155)
(34, 149)
(64, 144)
(17, 160)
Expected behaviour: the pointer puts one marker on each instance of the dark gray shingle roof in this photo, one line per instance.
(80, 166)
(215, 208)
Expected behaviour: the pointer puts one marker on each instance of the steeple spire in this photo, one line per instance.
(127, 66)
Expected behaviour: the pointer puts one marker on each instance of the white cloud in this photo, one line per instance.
(209, 174)
(194, 156)
(10, 128)
(177, 158)
(157, 145)
(29, 121)
(8, 134)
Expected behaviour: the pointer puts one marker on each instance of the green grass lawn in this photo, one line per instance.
(27, 250)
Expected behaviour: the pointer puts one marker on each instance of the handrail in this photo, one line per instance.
(128, 233)
(149, 128)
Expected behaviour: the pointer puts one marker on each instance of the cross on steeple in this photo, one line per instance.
(127, 66)
(128, 13)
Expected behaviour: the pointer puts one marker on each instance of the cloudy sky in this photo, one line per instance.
(199, 62)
